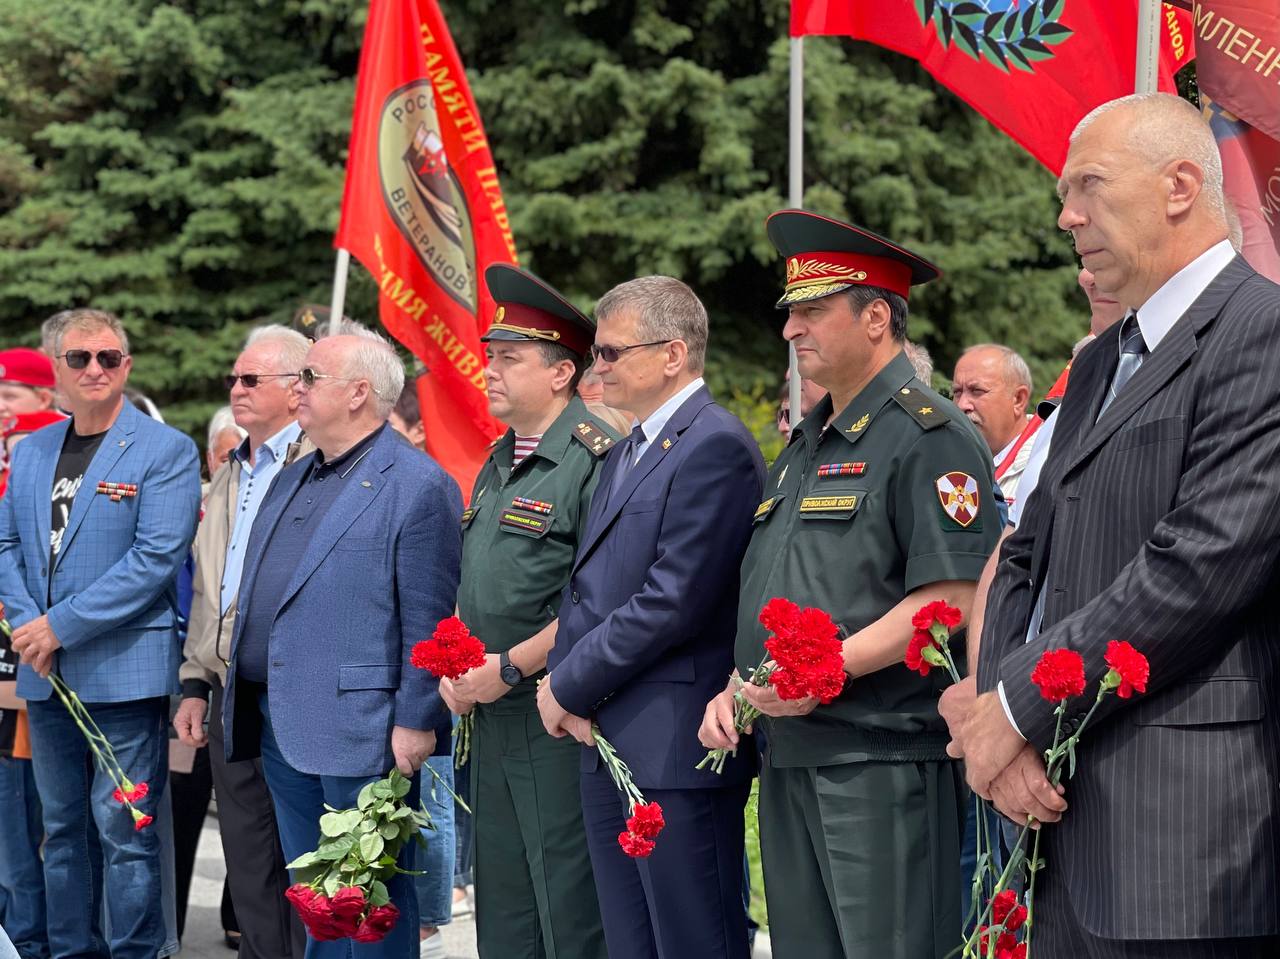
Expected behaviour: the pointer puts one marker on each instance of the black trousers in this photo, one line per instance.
(269, 929)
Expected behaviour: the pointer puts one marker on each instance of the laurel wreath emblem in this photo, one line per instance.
(1017, 37)
(798, 269)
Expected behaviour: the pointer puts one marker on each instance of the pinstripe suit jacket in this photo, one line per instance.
(110, 596)
(1159, 523)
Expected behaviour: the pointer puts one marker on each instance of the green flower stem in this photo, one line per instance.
(942, 637)
(618, 770)
(462, 747)
(447, 788)
(744, 714)
(98, 743)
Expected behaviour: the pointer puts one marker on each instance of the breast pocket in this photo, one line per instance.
(1166, 430)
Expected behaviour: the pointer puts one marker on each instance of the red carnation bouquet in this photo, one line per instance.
(127, 792)
(451, 651)
(644, 819)
(803, 657)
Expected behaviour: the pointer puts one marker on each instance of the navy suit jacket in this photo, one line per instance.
(648, 618)
(379, 573)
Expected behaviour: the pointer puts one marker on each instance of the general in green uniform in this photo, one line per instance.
(535, 896)
(871, 510)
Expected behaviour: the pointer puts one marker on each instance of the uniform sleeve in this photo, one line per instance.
(946, 519)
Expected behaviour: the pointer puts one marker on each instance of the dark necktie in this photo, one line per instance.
(628, 459)
(1133, 350)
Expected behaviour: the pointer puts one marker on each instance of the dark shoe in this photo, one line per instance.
(232, 939)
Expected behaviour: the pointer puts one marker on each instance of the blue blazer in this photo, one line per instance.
(111, 596)
(379, 573)
(648, 617)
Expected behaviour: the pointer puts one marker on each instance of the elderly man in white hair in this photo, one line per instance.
(354, 557)
(1154, 522)
(262, 425)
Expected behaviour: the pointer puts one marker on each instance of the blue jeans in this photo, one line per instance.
(21, 873)
(299, 799)
(462, 875)
(76, 793)
(435, 886)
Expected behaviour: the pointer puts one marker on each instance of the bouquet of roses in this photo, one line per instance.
(341, 887)
(644, 819)
(803, 657)
(450, 652)
(127, 792)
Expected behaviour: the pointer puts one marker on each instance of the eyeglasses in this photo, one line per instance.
(611, 354)
(79, 359)
(309, 377)
(250, 380)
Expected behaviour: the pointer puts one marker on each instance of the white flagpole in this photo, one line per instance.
(795, 192)
(341, 267)
(1147, 68)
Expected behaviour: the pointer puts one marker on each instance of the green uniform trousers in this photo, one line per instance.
(535, 893)
(860, 859)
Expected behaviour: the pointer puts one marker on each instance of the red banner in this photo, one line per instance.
(422, 210)
(1239, 78)
(1034, 68)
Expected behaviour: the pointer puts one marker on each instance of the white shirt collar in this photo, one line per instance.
(1167, 305)
(276, 446)
(999, 457)
(657, 421)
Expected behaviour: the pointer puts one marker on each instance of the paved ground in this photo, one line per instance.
(203, 939)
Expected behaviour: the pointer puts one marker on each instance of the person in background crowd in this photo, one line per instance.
(91, 592)
(223, 437)
(264, 407)
(319, 684)
(534, 888)
(591, 392)
(883, 503)
(921, 361)
(434, 887)
(992, 386)
(810, 394)
(26, 385)
(645, 633)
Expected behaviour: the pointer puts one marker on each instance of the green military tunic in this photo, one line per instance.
(535, 895)
(860, 810)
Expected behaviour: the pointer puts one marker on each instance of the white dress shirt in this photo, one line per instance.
(657, 420)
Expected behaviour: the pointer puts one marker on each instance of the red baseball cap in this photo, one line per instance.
(30, 422)
(27, 367)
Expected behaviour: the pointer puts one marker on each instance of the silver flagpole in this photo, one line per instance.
(795, 178)
(341, 267)
(1147, 68)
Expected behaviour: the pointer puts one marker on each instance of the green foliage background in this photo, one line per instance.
(181, 163)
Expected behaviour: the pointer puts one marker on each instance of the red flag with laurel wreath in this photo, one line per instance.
(1034, 68)
(422, 210)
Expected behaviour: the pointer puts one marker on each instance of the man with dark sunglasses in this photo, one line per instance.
(264, 403)
(93, 530)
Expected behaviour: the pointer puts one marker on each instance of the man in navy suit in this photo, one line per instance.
(354, 557)
(647, 629)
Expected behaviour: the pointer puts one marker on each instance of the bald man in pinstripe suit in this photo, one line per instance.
(1157, 521)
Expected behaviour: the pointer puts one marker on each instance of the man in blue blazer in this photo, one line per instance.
(98, 518)
(354, 558)
(647, 630)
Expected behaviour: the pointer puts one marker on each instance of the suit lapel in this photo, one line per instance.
(662, 444)
(112, 447)
(48, 468)
(359, 490)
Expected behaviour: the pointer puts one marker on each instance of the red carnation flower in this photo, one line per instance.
(637, 847)
(377, 924)
(809, 658)
(131, 794)
(646, 821)
(779, 615)
(1129, 669)
(1006, 944)
(1059, 674)
(141, 822)
(451, 650)
(938, 611)
(1006, 911)
(920, 641)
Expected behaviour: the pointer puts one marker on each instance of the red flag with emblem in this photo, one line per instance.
(1238, 72)
(422, 210)
(1034, 68)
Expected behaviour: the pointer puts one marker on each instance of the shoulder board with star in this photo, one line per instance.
(593, 438)
(921, 407)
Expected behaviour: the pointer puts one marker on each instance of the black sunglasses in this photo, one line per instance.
(79, 359)
(250, 380)
(611, 354)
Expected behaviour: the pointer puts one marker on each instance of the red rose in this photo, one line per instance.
(937, 611)
(348, 905)
(1059, 674)
(920, 640)
(646, 821)
(779, 615)
(637, 847)
(377, 924)
(1130, 667)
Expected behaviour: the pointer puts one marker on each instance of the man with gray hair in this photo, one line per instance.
(264, 404)
(353, 558)
(646, 630)
(1161, 476)
(991, 386)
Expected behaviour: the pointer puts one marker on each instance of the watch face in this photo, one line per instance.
(511, 675)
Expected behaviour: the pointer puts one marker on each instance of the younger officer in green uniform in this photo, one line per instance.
(535, 895)
(881, 503)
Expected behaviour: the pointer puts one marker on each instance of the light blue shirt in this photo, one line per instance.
(254, 481)
(657, 422)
